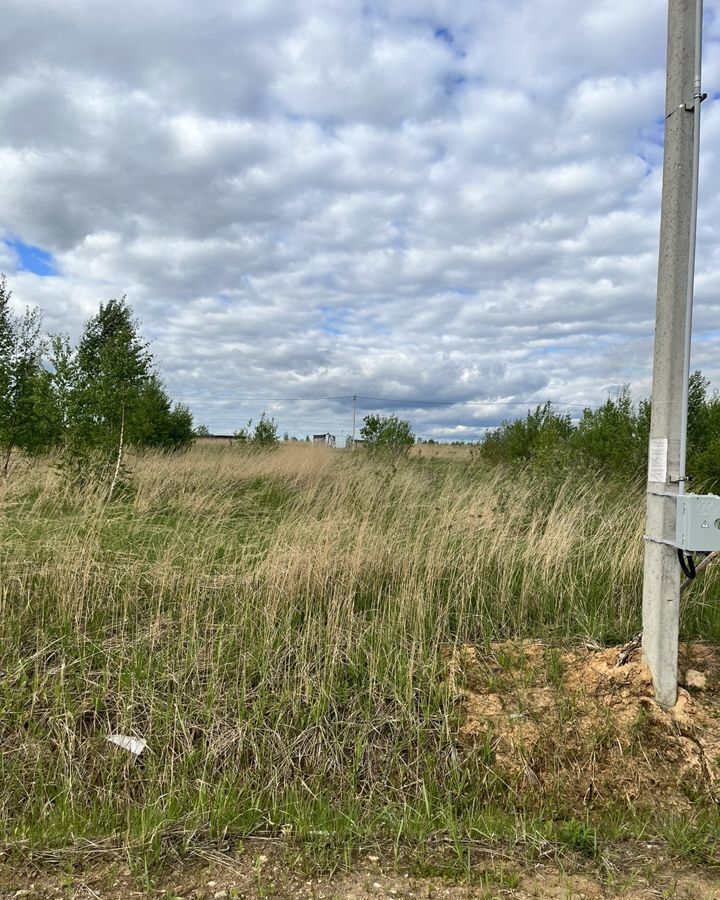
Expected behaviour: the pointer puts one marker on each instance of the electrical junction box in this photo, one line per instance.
(698, 522)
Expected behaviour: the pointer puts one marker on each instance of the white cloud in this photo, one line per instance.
(407, 200)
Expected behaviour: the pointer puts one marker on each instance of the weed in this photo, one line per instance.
(693, 837)
(554, 667)
(578, 836)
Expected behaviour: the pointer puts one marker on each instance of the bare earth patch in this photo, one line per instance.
(255, 875)
(579, 723)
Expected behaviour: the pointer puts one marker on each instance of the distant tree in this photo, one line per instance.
(266, 434)
(612, 438)
(202, 431)
(179, 431)
(263, 437)
(244, 434)
(540, 435)
(157, 423)
(387, 433)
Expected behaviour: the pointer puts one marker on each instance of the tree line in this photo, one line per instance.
(612, 439)
(88, 401)
(92, 400)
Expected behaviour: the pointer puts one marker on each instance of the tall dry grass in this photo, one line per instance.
(276, 626)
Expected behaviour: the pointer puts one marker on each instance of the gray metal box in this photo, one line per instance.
(698, 522)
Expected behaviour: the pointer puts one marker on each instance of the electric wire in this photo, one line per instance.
(395, 401)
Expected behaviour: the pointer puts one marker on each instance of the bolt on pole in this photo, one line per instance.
(666, 472)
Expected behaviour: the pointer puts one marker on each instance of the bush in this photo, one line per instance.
(263, 437)
(387, 433)
(612, 439)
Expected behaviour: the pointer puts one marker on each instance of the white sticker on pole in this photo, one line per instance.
(657, 463)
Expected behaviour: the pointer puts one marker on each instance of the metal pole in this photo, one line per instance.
(661, 584)
(353, 430)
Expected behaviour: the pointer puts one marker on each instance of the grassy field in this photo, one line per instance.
(278, 628)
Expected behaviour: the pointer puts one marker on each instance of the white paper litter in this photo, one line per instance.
(133, 745)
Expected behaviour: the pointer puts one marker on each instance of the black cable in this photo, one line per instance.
(687, 564)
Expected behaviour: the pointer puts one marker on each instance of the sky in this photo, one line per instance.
(450, 210)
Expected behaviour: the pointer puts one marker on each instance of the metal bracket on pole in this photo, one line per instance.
(654, 540)
(690, 107)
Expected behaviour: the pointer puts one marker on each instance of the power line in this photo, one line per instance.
(475, 402)
(398, 402)
(229, 399)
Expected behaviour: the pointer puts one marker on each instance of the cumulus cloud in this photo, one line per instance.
(400, 200)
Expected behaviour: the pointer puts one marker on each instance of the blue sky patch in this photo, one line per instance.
(333, 320)
(554, 351)
(32, 259)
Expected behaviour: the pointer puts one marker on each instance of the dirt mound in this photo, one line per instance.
(585, 729)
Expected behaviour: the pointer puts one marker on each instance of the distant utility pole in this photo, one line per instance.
(353, 431)
(671, 363)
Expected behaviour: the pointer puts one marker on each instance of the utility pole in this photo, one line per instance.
(668, 426)
(353, 431)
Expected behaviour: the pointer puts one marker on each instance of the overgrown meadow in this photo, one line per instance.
(277, 627)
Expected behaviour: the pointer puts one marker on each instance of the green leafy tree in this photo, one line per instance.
(24, 390)
(113, 369)
(63, 385)
(202, 431)
(157, 422)
(266, 434)
(46, 431)
(387, 433)
(244, 434)
(541, 436)
(703, 462)
(612, 437)
(263, 437)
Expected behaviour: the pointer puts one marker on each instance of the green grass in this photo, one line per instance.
(277, 627)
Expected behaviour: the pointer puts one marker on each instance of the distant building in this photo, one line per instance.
(327, 440)
(214, 438)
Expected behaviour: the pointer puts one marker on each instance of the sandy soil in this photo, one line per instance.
(578, 722)
(255, 874)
